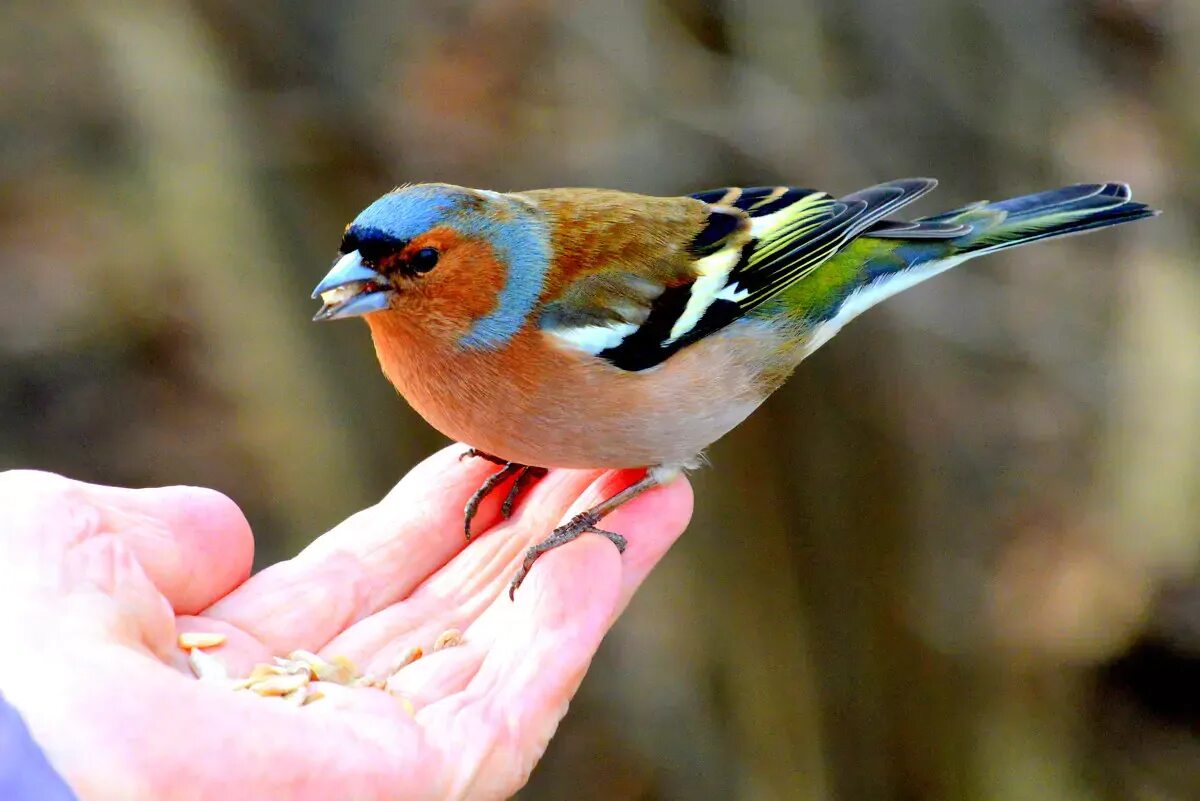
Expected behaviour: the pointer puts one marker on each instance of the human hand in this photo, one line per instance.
(98, 581)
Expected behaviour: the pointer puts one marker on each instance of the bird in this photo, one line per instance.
(598, 328)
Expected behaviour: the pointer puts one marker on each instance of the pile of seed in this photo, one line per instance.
(292, 677)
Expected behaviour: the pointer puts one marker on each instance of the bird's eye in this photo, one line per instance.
(423, 260)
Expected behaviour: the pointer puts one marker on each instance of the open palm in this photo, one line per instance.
(98, 581)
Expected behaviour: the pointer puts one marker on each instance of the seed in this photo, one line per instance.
(346, 663)
(200, 639)
(206, 666)
(369, 681)
(314, 664)
(408, 657)
(261, 671)
(290, 667)
(341, 670)
(297, 696)
(448, 639)
(280, 685)
(300, 655)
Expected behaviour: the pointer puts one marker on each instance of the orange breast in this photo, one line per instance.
(541, 403)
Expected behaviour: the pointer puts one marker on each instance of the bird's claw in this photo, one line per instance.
(523, 473)
(475, 453)
(579, 525)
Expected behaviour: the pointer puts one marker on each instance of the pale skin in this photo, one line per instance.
(98, 582)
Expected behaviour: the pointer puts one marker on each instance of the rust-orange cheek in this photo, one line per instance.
(467, 281)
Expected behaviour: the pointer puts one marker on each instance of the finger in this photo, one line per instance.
(193, 543)
(523, 686)
(455, 595)
(467, 585)
(473, 582)
(650, 524)
(110, 596)
(369, 561)
(541, 645)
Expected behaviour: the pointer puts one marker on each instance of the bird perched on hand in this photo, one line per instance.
(590, 328)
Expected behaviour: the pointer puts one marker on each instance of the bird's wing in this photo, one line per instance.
(749, 245)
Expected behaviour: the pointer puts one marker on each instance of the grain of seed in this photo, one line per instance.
(290, 667)
(333, 673)
(346, 666)
(408, 657)
(369, 681)
(200, 639)
(280, 685)
(313, 663)
(448, 639)
(206, 666)
(261, 671)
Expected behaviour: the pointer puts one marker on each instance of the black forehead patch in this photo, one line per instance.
(372, 243)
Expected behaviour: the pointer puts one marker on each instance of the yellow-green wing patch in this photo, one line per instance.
(756, 243)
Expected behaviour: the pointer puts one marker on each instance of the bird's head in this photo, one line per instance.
(464, 262)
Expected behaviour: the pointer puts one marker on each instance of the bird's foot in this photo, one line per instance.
(585, 523)
(475, 453)
(580, 524)
(524, 474)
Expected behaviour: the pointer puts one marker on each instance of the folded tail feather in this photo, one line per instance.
(1020, 220)
(931, 245)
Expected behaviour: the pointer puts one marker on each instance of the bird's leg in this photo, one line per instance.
(485, 489)
(523, 473)
(585, 523)
(523, 477)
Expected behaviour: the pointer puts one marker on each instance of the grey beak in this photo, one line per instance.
(364, 290)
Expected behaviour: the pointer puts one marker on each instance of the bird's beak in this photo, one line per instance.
(351, 289)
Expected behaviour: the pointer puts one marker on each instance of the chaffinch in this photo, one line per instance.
(590, 328)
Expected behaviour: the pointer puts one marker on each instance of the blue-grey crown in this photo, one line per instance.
(516, 231)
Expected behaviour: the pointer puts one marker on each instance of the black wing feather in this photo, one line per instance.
(774, 236)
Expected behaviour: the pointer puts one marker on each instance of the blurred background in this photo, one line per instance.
(955, 558)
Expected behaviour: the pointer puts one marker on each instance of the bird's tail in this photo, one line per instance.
(896, 255)
(1030, 218)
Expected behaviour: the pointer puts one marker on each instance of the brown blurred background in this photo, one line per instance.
(953, 559)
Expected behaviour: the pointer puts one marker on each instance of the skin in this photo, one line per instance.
(99, 581)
